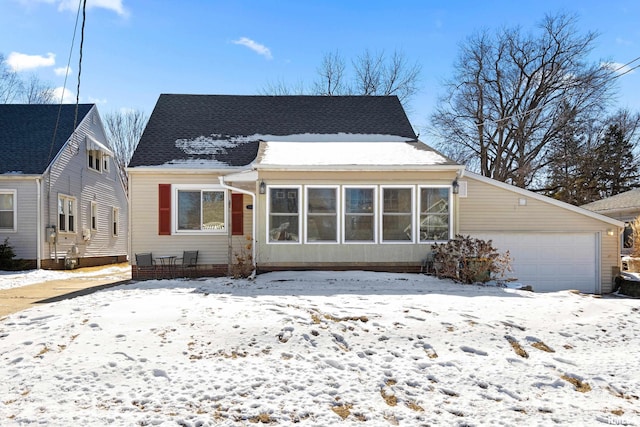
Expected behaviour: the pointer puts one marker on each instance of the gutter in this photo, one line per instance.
(253, 218)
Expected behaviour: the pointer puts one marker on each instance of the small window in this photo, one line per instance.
(95, 160)
(115, 220)
(359, 214)
(397, 214)
(201, 210)
(322, 214)
(284, 215)
(66, 214)
(8, 210)
(434, 214)
(94, 216)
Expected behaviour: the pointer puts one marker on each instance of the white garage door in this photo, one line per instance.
(551, 261)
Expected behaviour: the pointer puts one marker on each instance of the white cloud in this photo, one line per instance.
(21, 61)
(62, 71)
(66, 95)
(254, 46)
(113, 5)
(618, 68)
(93, 100)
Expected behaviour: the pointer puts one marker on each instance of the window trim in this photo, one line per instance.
(14, 193)
(374, 214)
(419, 203)
(306, 214)
(93, 216)
(412, 212)
(268, 215)
(115, 221)
(67, 198)
(175, 188)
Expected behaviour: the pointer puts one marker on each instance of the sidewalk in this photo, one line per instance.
(17, 299)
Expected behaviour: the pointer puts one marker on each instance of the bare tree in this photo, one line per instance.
(370, 74)
(513, 93)
(330, 76)
(35, 91)
(10, 83)
(124, 129)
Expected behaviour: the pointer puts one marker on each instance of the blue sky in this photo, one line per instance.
(134, 50)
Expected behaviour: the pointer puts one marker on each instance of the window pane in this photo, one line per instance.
(213, 210)
(6, 202)
(322, 200)
(188, 210)
(283, 228)
(62, 220)
(284, 200)
(322, 228)
(434, 214)
(396, 227)
(359, 200)
(358, 228)
(6, 219)
(397, 200)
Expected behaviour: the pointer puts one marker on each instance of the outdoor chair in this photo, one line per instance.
(145, 263)
(189, 262)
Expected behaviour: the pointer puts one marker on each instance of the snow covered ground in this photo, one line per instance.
(322, 349)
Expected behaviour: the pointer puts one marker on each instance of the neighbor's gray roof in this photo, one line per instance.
(216, 119)
(27, 134)
(627, 200)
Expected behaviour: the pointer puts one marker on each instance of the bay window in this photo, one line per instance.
(284, 214)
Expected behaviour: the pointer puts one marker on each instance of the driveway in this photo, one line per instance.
(20, 298)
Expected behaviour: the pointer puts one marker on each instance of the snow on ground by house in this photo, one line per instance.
(322, 349)
(12, 279)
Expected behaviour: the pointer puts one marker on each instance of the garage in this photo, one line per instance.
(552, 261)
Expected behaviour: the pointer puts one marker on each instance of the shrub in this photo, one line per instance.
(243, 265)
(6, 255)
(469, 260)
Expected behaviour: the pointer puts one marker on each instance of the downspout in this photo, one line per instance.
(253, 216)
(38, 224)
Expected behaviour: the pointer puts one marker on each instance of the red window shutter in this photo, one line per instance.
(237, 220)
(164, 209)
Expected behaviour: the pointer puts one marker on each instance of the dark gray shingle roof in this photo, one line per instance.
(187, 117)
(26, 134)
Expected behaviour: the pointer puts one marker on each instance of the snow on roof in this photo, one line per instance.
(278, 153)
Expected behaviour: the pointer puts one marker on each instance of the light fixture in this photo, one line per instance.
(610, 232)
(455, 186)
(263, 187)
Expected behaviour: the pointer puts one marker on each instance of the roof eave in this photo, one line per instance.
(403, 168)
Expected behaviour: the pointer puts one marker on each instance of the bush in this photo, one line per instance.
(469, 260)
(243, 265)
(6, 255)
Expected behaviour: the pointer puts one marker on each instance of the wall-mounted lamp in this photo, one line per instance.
(262, 187)
(455, 186)
(610, 231)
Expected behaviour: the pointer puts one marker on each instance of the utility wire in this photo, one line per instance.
(64, 85)
(84, 16)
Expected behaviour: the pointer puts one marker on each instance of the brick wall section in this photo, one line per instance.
(220, 270)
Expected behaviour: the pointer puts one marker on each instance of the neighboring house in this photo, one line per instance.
(62, 201)
(314, 182)
(623, 207)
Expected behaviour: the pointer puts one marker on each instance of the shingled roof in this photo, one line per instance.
(627, 200)
(26, 134)
(184, 128)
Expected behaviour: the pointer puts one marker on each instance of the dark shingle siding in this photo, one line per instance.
(190, 116)
(26, 134)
